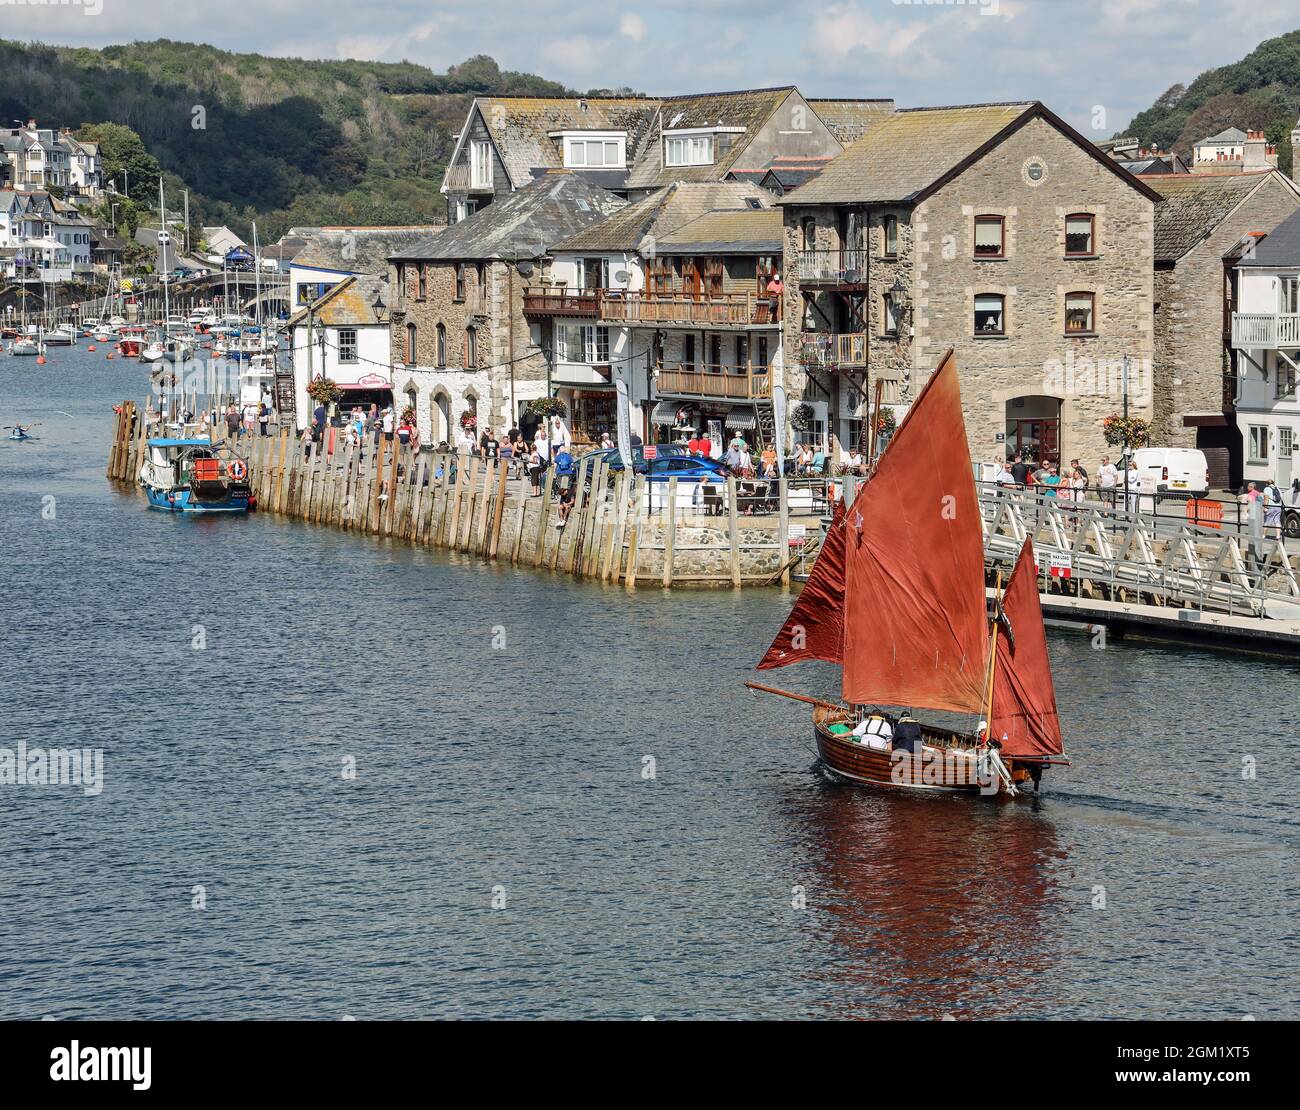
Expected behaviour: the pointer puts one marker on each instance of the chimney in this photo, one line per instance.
(1255, 152)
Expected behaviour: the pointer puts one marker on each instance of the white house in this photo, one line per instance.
(42, 239)
(1266, 338)
(344, 336)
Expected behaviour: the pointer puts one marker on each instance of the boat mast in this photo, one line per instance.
(993, 661)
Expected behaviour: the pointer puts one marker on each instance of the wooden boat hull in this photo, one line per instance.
(943, 766)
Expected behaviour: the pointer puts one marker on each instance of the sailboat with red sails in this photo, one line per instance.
(897, 598)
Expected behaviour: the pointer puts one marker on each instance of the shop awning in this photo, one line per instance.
(665, 413)
(741, 419)
(1206, 420)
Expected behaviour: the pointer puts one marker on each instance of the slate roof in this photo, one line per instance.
(1193, 204)
(1232, 135)
(749, 109)
(903, 153)
(849, 120)
(521, 126)
(662, 213)
(1281, 247)
(908, 155)
(351, 301)
(359, 250)
(524, 224)
(746, 231)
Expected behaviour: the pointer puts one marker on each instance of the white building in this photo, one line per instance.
(1266, 338)
(42, 239)
(344, 336)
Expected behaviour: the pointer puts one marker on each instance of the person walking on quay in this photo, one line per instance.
(489, 445)
(542, 444)
(535, 467)
(404, 431)
(1271, 497)
(263, 416)
(307, 438)
(1107, 479)
(388, 424)
(232, 422)
(250, 418)
(561, 438)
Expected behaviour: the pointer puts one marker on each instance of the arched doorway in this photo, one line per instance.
(440, 416)
(1033, 428)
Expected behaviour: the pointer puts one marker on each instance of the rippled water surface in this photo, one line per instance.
(737, 882)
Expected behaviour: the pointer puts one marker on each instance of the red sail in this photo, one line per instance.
(815, 627)
(1024, 700)
(916, 625)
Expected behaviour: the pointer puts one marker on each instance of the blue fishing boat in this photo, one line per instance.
(194, 476)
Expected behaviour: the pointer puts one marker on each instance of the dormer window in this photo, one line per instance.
(593, 150)
(688, 150)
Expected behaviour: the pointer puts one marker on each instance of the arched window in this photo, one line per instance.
(411, 338)
(471, 348)
(442, 348)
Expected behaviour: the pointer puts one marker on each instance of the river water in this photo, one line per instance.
(564, 803)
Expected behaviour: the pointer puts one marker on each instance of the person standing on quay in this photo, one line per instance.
(388, 424)
(232, 422)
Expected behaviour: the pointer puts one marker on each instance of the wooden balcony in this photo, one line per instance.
(833, 267)
(705, 309)
(834, 350)
(731, 383)
(561, 302)
(1268, 331)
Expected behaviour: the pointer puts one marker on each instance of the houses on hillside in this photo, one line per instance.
(42, 239)
(33, 157)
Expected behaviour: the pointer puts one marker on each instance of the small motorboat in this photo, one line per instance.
(131, 340)
(25, 345)
(184, 475)
(153, 351)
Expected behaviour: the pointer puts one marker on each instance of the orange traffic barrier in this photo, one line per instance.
(1205, 514)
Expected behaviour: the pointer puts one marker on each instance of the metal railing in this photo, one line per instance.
(1267, 330)
(846, 267)
(833, 349)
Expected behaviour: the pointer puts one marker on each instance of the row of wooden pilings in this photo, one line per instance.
(463, 503)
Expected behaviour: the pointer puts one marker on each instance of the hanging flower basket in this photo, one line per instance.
(1134, 431)
(323, 391)
(548, 407)
(469, 419)
(886, 422)
(802, 417)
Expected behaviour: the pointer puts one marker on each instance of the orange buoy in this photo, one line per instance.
(91, 347)
(40, 360)
(109, 355)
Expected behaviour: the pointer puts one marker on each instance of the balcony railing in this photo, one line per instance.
(561, 302)
(1266, 330)
(734, 383)
(686, 308)
(840, 267)
(833, 349)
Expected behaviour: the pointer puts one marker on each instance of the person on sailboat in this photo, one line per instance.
(907, 736)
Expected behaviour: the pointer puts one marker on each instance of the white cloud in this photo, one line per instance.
(632, 26)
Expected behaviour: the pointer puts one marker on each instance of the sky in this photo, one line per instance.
(1095, 62)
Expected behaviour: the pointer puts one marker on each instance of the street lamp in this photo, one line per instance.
(378, 306)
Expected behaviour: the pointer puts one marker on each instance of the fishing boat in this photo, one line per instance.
(195, 476)
(131, 340)
(897, 598)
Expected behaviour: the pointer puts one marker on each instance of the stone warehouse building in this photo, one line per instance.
(460, 342)
(1200, 222)
(997, 230)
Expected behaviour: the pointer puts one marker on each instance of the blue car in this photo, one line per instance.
(639, 465)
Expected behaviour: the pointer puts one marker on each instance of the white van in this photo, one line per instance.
(1177, 471)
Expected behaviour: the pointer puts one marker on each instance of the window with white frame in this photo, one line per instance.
(582, 343)
(480, 164)
(1285, 443)
(1258, 443)
(347, 345)
(688, 150)
(594, 153)
(1286, 377)
(1289, 287)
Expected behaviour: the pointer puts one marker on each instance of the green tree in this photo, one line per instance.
(124, 157)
